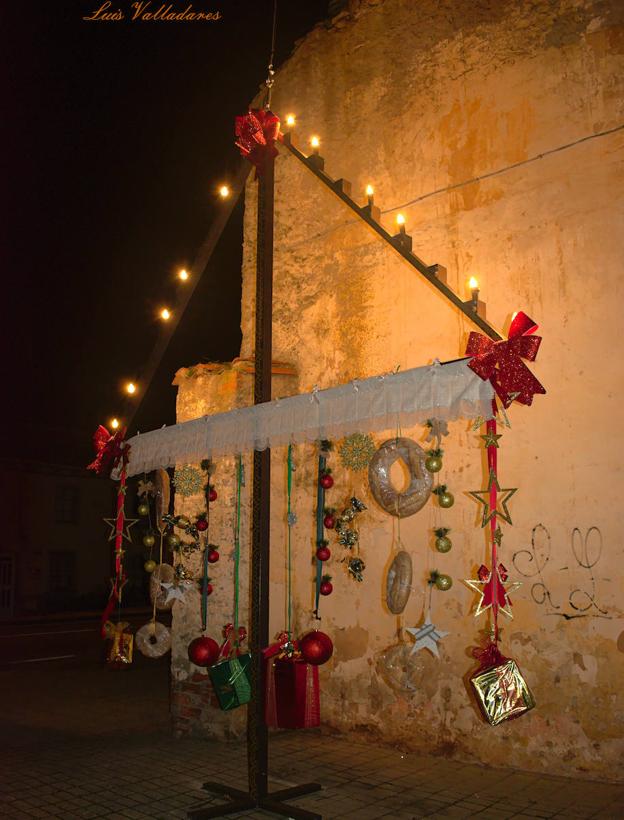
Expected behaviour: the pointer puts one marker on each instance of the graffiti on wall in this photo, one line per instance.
(585, 554)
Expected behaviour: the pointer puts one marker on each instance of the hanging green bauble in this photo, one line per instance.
(446, 499)
(433, 462)
(188, 481)
(143, 509)
(356, 451)
(439, 580)
(442, 543)
(148, 540)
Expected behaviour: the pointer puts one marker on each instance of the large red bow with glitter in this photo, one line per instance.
(501, 362)
(110, 449)
(489, 655)
(256, 133)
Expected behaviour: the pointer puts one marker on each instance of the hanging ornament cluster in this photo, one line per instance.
(325, 520)
(433, 463)
(500, 689)
(349, 537)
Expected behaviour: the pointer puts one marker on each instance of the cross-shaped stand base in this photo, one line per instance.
(242, 801)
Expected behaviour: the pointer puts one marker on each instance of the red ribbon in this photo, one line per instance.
(256, 133)
(109, 449)
(488, 656)
(501, 362)
(229, 638)
(279, 647)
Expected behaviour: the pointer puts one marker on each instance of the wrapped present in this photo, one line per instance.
(502, 692)
(292, 694)
(122, 643)
(230, 679)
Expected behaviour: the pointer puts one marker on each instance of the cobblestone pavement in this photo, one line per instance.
(84, 742)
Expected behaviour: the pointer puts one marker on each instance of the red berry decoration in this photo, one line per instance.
(202, 525)
(203, 651)
(329, 522)
(323, 553)
(316, 648)
(326, 481)
(326, 585)
(212, 494)
(213, 556)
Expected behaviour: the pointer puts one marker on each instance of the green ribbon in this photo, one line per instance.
(237, 528)
(290, 472)
(320, 530)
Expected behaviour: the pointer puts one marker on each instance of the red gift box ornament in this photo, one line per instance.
(501, 362)
(256, 133)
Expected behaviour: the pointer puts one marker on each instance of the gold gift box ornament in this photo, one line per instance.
(502, 692)
(120, 653)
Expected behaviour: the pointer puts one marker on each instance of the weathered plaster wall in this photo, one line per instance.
(419, 98)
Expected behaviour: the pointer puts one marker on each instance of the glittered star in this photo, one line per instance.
(176, 592)
(491, 439)
(500, 511)
(127, 523)
(492, 590)
(426, 637)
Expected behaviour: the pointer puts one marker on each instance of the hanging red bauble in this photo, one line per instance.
(203, 651)
(212, 494)
(316, 648)
(202, 525)
(213, 556)
(208, 589)
(326, 587)
(323, 553)
(326, 481)
(329, 522)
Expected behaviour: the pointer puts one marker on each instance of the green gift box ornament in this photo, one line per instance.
(230, 676)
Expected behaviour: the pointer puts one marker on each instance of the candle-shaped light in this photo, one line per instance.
(131, 388)
(315, 143)
(369, 193)
(114, 424)
(290, 120)
(165, 314)
(473, 284)
(224, 191)
(183, 275)
(400, 220)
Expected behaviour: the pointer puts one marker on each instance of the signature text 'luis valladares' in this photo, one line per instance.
(148, 12)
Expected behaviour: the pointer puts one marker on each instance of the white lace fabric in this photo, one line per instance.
(448, 392)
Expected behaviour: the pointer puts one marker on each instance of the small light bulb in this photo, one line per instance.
(165, 314)
(400, 219)
(290, 120)
(369, 190)
(131, 388)
(114, 423)
(473, 284)
(315, 142)
(224, 192)
(183, 275)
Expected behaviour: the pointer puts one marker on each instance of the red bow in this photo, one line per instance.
(228, 637)
(283, 647)
(110, 449)
(501, 362)
(488, 656)
(494, 592)
(256, 133)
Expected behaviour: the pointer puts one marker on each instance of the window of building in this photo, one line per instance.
(62, 564)
(67, 504)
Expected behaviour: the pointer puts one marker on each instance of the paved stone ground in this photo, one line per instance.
(84, 742)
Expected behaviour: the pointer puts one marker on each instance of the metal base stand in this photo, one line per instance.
(242, 801)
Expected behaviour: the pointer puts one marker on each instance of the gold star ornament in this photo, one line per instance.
(112, 523)
(502, 497)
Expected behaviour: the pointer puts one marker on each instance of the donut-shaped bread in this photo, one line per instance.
(399, 582)
(418, 490)
(164, 573)
(153, 639)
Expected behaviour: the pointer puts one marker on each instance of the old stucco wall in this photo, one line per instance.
(424, 97)
(417, 99)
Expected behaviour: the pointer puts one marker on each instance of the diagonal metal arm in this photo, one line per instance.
(401, 243)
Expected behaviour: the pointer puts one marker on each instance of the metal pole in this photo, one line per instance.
(257, 733)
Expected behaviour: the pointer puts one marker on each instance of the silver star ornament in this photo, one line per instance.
(426, 637)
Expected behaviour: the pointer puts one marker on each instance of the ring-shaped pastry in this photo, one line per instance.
(399, 582)
(416, 495)
(153, 639)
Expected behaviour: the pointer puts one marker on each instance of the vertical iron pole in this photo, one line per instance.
(257, 734)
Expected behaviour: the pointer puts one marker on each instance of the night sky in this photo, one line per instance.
(116, 135)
